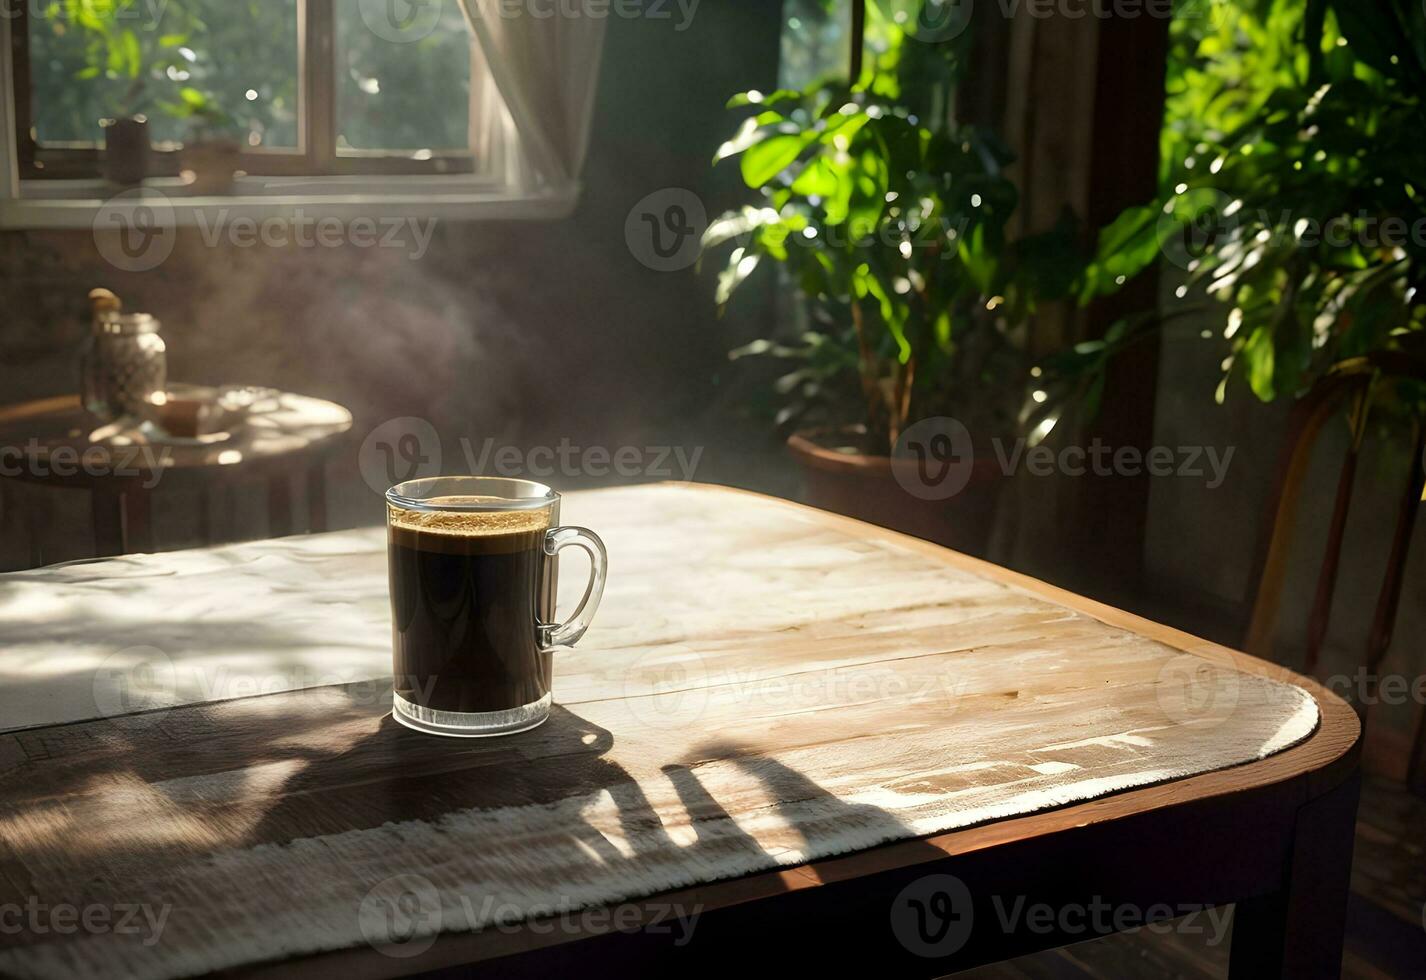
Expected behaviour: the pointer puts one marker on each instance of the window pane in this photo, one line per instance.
(218, 66)
(814, 41)
(402, 84)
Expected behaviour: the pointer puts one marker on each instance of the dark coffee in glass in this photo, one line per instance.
(473, 569)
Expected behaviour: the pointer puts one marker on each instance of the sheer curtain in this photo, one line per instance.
(545, 65)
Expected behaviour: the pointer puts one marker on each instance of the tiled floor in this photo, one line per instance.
(1386, 921)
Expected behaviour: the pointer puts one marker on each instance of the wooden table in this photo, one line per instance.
(285, 435)
(773, 705)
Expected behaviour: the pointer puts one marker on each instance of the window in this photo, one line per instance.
(815, 41)
(307, 87)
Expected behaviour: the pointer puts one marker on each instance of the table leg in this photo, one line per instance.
(1297, 931)
(107, 509)
(1416, 775)
(41, 524)
(123, 522)
(205, 515)
(138, 522)
(227, 517)
(279, 506)
(317, 497)
(29, 527)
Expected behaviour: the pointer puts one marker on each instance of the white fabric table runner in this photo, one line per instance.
(110, 637)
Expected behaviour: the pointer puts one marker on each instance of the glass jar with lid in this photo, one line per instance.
(124, 366)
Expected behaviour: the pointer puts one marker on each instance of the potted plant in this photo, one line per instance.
(212, 154)
(125, 66)
(165, 78)
(895, 227)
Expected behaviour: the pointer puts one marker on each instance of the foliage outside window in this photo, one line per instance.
(232, 68)
(1293, 191)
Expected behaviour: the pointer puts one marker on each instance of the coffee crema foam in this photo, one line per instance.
(469, 523)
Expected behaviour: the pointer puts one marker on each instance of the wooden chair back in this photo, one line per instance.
(1355, 385)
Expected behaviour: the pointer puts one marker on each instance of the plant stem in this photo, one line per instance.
(901, 411)
(866, 370)
(858, 38)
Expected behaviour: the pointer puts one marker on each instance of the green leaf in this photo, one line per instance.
(820, 178)
(739, 267)
(867, 200)
(1126, 246)
(980, 265)
(1258, 360)
(751, 131)
(892, 313)
(782, 95)
(131, 53)
(765, 160)
(738, 224)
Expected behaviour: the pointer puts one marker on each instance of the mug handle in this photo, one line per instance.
(569, 632)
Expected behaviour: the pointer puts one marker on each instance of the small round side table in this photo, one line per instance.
(56, 443)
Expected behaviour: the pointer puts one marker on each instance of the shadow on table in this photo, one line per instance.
(396, 774)
(221, 767)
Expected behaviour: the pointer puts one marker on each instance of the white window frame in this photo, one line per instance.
(508, 189)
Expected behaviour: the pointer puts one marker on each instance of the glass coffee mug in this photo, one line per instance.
(473, 573)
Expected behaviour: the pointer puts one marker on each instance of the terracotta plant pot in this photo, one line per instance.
(892, 493)
(126, 150)
(210, 165)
